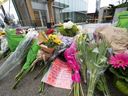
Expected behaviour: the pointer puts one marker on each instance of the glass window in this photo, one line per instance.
(70, 10)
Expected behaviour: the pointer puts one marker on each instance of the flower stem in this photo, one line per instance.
(84, 72)
(19, 78)
(106, 90)
(42, 71)
(92, 83)
(82, 93)
(42, 87)
(76, 89)
(19, 74)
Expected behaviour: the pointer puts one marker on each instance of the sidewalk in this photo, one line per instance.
(28, 86)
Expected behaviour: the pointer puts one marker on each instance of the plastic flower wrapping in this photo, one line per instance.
(17, 56)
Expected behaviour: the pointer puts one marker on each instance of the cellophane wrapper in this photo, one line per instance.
(18, 55)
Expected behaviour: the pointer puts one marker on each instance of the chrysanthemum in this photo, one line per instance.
(119, 60)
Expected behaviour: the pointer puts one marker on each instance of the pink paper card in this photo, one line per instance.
(59, 75)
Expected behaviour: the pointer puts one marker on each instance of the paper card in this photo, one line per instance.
(59, 75)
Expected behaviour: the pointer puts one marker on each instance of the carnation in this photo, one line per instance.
(68, 25)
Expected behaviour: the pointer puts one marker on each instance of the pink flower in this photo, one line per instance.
(76, 76)
(119, 60)
(70, 56)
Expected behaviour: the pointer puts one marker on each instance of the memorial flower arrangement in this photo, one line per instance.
(69, 29)
(86, 61)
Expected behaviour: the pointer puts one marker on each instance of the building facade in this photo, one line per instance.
(42, 12)
(58, 7)
(34, 12)
(76, 10)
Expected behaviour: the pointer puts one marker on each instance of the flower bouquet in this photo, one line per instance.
(119, 68)
(81, 45)
(69, 29)
(31, 56)
(70, 56)
(37, 53)
(94, 60)
(52, 41)
(48, 46)
(17, 56)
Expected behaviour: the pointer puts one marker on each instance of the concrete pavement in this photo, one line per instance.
(30, 87)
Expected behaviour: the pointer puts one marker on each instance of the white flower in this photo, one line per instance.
(68, 25)
(79, 28)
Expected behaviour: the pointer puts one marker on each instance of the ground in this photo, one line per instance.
(29, 87)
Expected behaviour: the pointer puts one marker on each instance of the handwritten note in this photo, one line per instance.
(59, 75)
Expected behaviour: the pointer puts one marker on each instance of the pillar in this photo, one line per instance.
(41, 18)
(30, 10)
(50, 11)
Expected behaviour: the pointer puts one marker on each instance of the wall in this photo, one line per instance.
(39, 6)
(23, 12)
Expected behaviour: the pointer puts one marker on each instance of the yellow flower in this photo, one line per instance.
(52, 37)
(57, 41)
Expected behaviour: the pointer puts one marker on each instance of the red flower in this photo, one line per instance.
(119, 60)
(49, 31)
